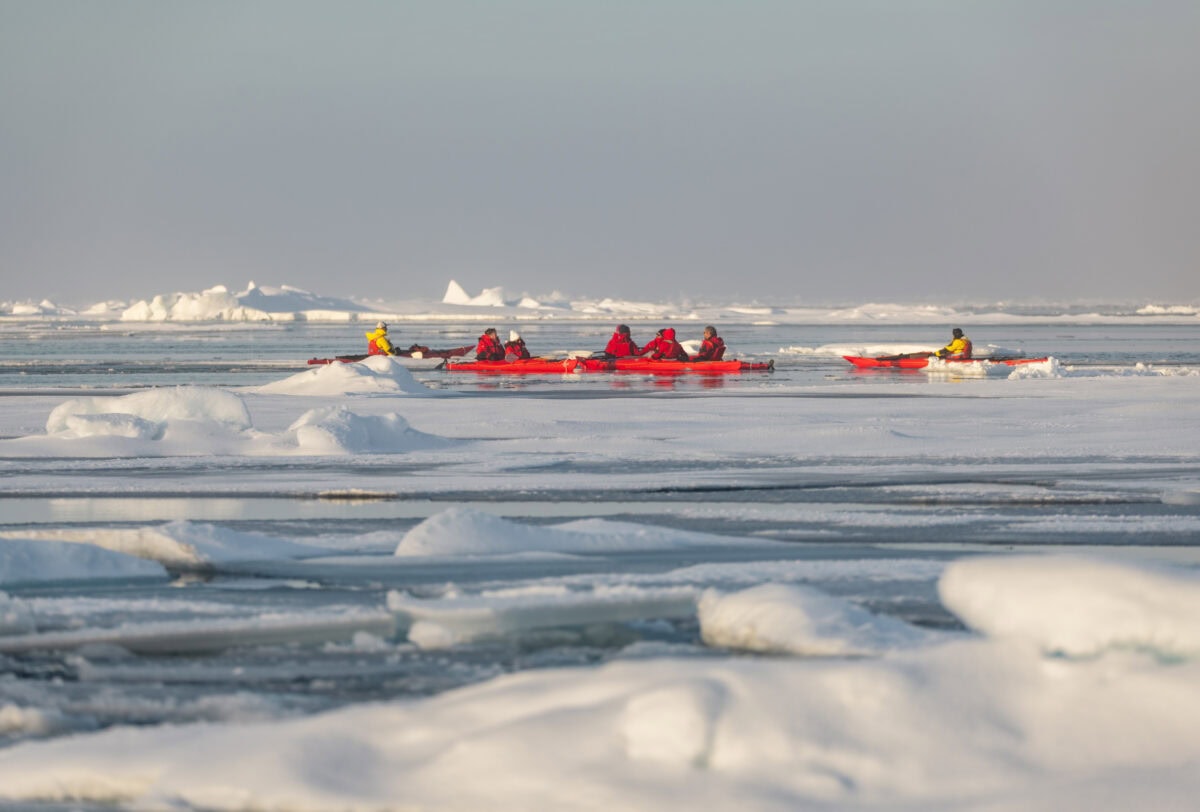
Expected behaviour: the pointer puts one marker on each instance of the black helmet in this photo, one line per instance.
(957, 333)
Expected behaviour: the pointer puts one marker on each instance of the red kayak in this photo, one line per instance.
(920, 361)
(701, 367)
(561, 366)
(524, 366)
(455, 352)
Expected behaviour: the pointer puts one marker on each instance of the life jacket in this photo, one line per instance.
(621, 346)
(489, 349)
(667, 348)
(515, 349)
(958, 348)
(711, 349)
(378, 344)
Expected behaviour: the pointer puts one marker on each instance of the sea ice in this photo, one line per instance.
(27, 561)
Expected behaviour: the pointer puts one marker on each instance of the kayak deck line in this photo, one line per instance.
(566, 366)
(922, 361)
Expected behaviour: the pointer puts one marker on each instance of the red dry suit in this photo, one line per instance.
(621, 346)
(665, 348)
(515, 349)
(489, 348)
(711, 349)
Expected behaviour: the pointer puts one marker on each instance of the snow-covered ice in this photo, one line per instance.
(231, 582)
(955, 722)
(27, 561)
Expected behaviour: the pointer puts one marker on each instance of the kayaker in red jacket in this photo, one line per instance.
(621, 345)
(489, 347)
(515, 348)
(651, 345)
(713, 346)
(664, 347)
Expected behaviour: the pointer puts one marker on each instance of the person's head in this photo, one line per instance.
(381, 326)
(623, 329)
(956, 332)
(491, 331)
(710, 331)
(513, 335)
(658, 334)
(669, 334)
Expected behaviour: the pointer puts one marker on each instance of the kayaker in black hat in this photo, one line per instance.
(959, 347)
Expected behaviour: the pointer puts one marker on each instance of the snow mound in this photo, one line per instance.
(463, 531)
(460, 619)
(145, 414)
(790, 619)
(28, 561)
(337, 430)
(378, 374)
(1050, 368)
(179, 544)
(1075, 605)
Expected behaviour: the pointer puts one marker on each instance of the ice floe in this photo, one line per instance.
(24, 562)
(180, 545)
(450, 621)
(215, 634)
(465, 531)
(782, 618)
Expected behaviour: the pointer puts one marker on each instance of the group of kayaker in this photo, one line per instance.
(663, 346)
(490, 348)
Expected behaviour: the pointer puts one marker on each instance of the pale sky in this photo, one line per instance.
(830, 151)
